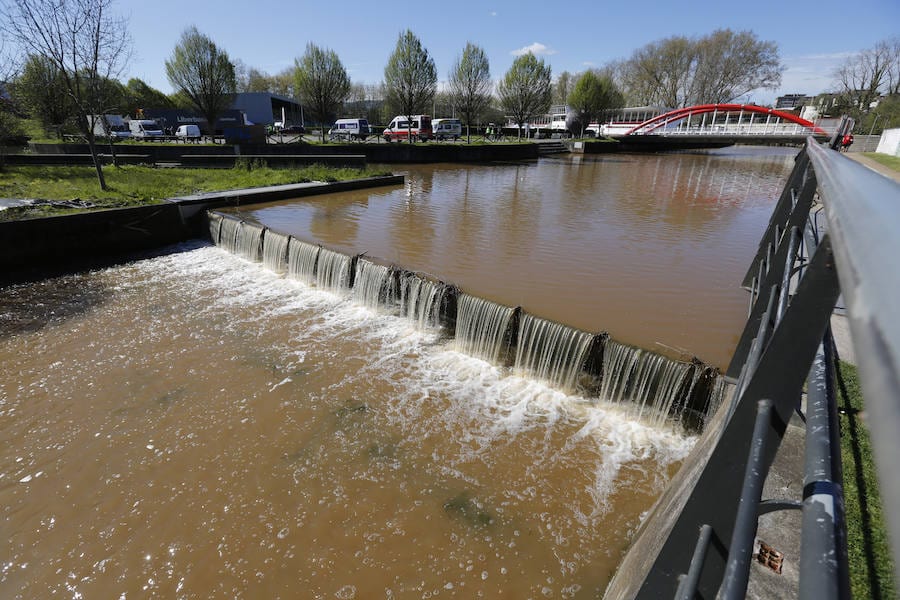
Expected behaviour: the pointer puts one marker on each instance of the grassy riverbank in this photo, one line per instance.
(892, 162)
(871, 567)
(139, 185)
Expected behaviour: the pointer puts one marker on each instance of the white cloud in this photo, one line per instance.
(493, 13)
(537, 48)
(587, 64)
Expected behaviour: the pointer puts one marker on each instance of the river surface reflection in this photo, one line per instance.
(651, 248)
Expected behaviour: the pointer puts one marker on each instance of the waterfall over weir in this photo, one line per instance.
(551, 352)
(333, 271)
(275, 256)
(302, 258)
(651, 383)
(374, 286)
(215, 226)
(421, 300)
(652, 387)
(240, 238)
(482, 327)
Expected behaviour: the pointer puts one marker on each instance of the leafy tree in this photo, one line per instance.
(322, 82)
(591, 95)
(470, 84)
(139, 94)
(884, 116)
(204, 73)
(410, 77)
(283, 83)
(526, 89)
(41, 91)
(678, 71)
(258, 81)
(84, 41)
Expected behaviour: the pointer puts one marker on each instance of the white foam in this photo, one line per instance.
(499, 403)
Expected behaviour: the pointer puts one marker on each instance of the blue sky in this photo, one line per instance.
(812, 37)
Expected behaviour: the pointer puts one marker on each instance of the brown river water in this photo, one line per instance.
(193, 425)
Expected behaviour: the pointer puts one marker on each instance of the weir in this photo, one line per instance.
(302, 259)
(374, 286)
(648, 382)
(551, 352)
(333, 271)
(653, 388)
(419, 300)
(275, 247)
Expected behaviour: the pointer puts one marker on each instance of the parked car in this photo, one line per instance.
(188, 132)
(349, 129)
(295, 129)
(401, 128)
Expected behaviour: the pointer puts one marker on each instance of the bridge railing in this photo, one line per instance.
(810, 254)
(737, 129)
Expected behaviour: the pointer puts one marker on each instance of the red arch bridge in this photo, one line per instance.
(729, 122)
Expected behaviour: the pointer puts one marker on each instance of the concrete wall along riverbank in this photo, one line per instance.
(202, 155)
(649, 386)
(32, 244)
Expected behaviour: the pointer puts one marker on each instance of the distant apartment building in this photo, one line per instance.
(791, 101)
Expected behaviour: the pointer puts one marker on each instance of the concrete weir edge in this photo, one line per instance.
(30, 245)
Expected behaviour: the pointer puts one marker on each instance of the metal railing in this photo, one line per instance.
(794, 285)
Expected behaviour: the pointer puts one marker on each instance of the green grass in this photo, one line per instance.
(138, 185)
(892, 162)
(871, 567)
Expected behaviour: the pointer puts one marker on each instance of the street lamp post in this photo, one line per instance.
(871, 129)
(873, 124)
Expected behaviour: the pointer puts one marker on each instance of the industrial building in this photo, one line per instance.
(264, 108)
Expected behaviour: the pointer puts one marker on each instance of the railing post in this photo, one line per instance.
(823, 550)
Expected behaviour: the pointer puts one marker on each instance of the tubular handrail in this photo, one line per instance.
(862, 211)
(795, 280)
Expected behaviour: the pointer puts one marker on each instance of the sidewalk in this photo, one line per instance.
(874, 165)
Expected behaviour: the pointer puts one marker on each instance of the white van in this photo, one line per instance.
(444, 129)
(188, 132)
(112, 125)
(349, 129)
(145, 129)
(400, 128)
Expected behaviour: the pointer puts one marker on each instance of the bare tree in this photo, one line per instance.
(563, 87)
(204, 73)
(678, 71)
(250, 79)
(470, 84)
(10, 126)
(322, 82)
(729, 64)
(526, 89)
(862, 78)
(410, 77)
(85, 41)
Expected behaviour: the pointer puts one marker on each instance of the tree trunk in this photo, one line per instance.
(88, 135)
(97, 164)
